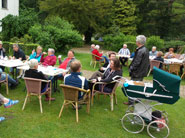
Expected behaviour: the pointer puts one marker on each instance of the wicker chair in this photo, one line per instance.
(153, 63)
(174, 68)
(184, 72)
(71, 97)
(33, 87)
(6, 83)
(101, 92)
(94, 61)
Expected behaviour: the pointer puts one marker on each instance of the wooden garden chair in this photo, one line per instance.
(153, 63)
(184, 71)
(94, 61)
(101, 92)
(33, 87)
(174, 68)
(5, 82)
(71, 97)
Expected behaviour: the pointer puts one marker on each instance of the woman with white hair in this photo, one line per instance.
(49, 60)
(34, 73)
(36, 55)
(96, 52)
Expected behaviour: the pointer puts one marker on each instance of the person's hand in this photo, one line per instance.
(44, 53)
(64, 73)
(94, 81)
(10, 57)
(101, 68)
(33, 51)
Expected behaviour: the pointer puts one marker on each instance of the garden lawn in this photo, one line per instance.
(100, 123)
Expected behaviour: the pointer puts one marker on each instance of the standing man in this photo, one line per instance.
(124, 52)
(139, 67)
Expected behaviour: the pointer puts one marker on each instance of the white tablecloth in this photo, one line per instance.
(173, 60)
(11, 63)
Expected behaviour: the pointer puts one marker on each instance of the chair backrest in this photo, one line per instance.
(154, 63)
(175, 67)
(70, 92)
(33, 85)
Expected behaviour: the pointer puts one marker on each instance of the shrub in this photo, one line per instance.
(154, 41)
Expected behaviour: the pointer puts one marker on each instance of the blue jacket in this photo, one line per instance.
(76, 80)
(34, 56)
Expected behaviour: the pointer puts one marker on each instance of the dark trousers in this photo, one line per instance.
(130, 101)
(123, 60)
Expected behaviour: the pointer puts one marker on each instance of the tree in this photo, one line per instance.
(125, 16)
(88, 16)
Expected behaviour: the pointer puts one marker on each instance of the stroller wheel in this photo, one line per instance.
(132, 123)
(158, 129)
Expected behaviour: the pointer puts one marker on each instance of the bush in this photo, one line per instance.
(154, 41)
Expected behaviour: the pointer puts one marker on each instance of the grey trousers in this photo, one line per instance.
(1, 99)
(96, 75)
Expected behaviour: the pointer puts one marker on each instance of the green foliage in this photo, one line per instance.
(18, 26)
(173, 43)
(154, 41)
(56, 33)
(125, 16)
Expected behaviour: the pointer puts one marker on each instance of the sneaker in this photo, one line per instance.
(47, 99)
(2, 119)
(10, 103)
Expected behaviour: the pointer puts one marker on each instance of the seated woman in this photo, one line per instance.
(112, 72)
(7, 103)
(49, 60)
(159, 58)
(34, 73)
(97, 53)
(36, 55)
(170, 54)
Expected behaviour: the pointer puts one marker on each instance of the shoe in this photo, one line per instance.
(79, 107)
(10, 103)
(47, 99)
(2, 119)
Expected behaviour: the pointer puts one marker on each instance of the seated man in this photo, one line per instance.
(36, 55)
(125, 52)
(92, 47)
(2, 53)
(97, 53)
(7, 103)
(159, 58)
(153, 53)
(34, 73)
(11, 82)
(101, 71)
(75, 79)
(170, 54)
(49, 60)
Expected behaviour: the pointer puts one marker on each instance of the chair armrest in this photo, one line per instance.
(96, 56)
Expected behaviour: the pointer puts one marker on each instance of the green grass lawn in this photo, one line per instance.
(100, 123)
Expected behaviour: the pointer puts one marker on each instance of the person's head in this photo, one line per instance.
(97, 47)
(75, 66)
(1, 44)
(115, 64)
(140, 40)
(93, 46)
(15, 47)
(51, 51)
(33, 63)
(154, 48)
(70, 54)
(159, 54)
(124, 46)
(39, 50)
(112, 55)
(171, 50)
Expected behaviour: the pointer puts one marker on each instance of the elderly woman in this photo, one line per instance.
(96, 52)
(170, 54)
(109, 76)
(49, 60)
(36, 55)
(34, 73)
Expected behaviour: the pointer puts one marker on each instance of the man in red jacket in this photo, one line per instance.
(49, 60)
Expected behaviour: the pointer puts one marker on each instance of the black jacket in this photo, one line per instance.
(140, 64)
(3, 51)
(19, 54)
(33, 73)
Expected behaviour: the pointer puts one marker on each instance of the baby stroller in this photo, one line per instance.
(165, 89)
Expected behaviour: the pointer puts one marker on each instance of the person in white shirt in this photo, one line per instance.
(153, 53)
(124, 52)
